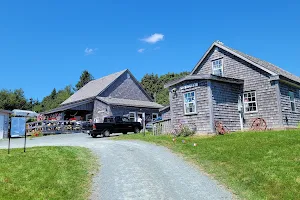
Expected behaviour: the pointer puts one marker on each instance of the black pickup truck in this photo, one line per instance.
(115, 124)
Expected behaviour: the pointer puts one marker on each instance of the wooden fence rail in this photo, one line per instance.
(162, 127)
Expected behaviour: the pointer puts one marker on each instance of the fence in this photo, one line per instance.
(162, 127)
(54, 127)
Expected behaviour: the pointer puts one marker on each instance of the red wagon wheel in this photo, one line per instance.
(221, 128)
(259, 124)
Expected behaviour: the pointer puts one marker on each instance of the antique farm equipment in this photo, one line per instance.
(221, 128)
(259, 124)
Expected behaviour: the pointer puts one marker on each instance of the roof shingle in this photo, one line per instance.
(93, 88)
(265, 64)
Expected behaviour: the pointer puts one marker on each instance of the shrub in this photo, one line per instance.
(186, 131)
(36, 134)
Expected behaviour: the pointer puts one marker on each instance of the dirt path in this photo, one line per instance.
(137, 170)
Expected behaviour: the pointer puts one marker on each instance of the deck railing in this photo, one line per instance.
(162, 127)
(53, 127)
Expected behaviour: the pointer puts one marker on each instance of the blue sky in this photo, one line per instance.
(47, 44)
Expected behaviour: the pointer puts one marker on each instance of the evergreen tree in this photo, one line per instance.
(84, 79)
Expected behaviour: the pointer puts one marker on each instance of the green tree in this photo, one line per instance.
(53, 94)
(154, 85)
(15, 99)
(54, 99)
(84, 79)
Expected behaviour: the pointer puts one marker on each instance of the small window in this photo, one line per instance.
(132, 116)
(154, 116)
(250, 102)
(217, 67)
(292, 100)
(189, 103)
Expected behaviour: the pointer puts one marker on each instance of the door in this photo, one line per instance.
(1, 126)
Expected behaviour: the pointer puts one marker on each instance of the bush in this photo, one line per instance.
(36, 134)
(186, 131)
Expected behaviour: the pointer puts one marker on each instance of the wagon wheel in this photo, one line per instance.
(259, 124)
(221, 128)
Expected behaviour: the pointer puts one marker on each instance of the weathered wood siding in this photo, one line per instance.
(125, 88)
(254, 79)
(202, 118)
(166, 114)
(101, 110)
(289, 117)
(225, 104)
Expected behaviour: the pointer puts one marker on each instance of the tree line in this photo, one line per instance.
(15, 99)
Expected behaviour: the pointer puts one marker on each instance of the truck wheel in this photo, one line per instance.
(136, 130)
(106, 133)
(94, 135)
(125, 133)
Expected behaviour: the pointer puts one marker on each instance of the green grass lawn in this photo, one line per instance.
(46, 173)
(255, 165)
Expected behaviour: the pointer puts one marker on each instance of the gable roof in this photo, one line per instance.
(264, 65)
(94, 88)
(129, 102)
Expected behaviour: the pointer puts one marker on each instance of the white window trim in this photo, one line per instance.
(292, 101)
(154, 114)
(212, 66)
(245, 111)
(134, 116)
(190, 113)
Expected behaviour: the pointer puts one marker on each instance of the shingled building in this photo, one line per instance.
(116, 94)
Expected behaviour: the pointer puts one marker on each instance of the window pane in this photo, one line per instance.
(293, 106)
(292, 95)
(250, 103)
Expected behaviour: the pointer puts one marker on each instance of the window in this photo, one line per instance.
(217, 67)
(125, 119)
(154, 116)
(189, 103)
(292, 100)
(132, 116)
(250, 103)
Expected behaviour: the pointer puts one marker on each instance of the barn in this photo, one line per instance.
(116, 94)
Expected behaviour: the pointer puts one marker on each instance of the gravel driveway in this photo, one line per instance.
(137, 170)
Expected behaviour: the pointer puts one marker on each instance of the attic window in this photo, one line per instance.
(217, 67)
(128, 75)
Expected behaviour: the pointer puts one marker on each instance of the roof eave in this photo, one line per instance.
(206, 77)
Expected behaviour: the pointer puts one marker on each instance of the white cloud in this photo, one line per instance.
(90, 51)
(141, 50)
(156, 37)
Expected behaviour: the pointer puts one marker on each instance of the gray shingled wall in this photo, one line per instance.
(125, 88)
(255, 79)
(166, 114)
(293, 118)
(202, 119)
(101, 110)
(225, 104)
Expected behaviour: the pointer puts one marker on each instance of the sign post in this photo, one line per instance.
(144, 123)
(9, 142)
